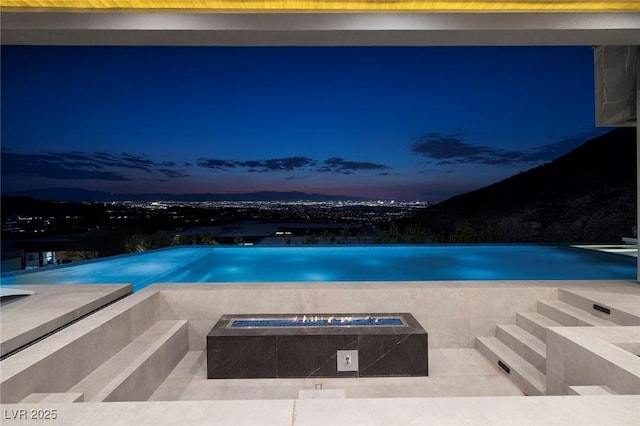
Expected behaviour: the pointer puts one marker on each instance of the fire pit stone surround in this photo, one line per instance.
(317, 345)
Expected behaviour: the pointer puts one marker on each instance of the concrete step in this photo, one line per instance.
(623, 309)
(525, 344)
(54, 398)
(528, 378)
(591, 390)
(139, 368)
(321, 394)
(536, 324)
(570, 316)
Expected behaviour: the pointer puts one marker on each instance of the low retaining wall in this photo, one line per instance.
(454, 313)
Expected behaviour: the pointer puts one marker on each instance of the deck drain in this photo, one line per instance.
(62, 327)
(504, 366)
(602, 309)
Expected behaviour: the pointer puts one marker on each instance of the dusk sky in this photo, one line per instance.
(403, 123)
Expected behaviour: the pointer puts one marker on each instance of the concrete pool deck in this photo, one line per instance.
(145, 353)
(485, 411)
(24, 319)
(456, 372)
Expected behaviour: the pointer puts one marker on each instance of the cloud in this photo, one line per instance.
(136, 161)
(288, 164)
(84, 165)
(451, 150)
(278, 164)
(340, 165)
(253, 164)
(216, 164)
(270, 165)
(173, 173)
(439, 147)
(55, 166)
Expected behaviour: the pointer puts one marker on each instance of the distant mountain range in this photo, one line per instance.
(587, 195)
(79, 195)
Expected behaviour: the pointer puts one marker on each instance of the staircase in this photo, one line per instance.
(151, 356)
(520, 349)
(133, 373)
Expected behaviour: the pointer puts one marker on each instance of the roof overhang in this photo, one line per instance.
(316, 28)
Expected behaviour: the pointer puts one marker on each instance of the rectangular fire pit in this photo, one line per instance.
(316, 345)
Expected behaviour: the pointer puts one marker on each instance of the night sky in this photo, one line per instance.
(401, 123)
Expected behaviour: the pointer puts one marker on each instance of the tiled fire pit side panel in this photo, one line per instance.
(241, 357)
(393, 355)
(313, 356)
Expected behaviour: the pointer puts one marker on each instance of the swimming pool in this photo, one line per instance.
(339, 263)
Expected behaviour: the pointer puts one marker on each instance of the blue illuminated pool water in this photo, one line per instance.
(340, 263)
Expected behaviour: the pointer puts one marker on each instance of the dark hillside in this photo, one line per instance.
(587, 195)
